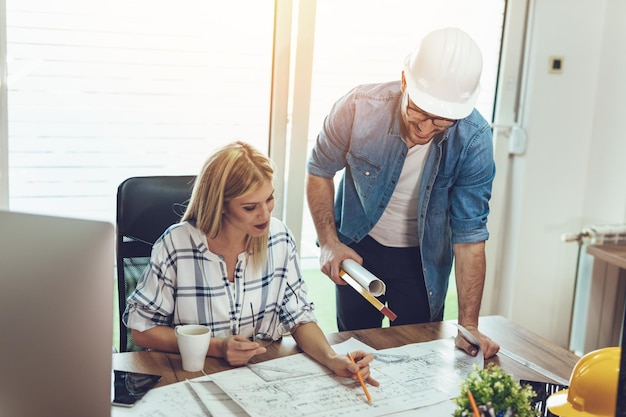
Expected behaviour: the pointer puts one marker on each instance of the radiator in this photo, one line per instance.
(599, 291)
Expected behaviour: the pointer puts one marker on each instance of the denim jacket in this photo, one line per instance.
(363, 134)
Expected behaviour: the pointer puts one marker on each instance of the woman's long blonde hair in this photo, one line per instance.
(234, 171)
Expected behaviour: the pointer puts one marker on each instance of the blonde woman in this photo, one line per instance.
(233, 267)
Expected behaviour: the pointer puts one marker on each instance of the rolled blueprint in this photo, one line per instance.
(364, 277)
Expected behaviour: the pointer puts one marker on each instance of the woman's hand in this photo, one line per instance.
(237, 350)
(343, 366)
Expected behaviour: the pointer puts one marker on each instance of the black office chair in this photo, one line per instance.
(146, 206)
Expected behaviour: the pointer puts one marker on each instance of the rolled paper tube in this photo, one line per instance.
(369, 297)
(369, 281)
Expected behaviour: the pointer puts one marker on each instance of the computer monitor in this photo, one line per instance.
(56, 316)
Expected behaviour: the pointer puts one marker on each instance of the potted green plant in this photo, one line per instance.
(494, 388)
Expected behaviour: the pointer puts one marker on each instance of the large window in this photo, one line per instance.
(102, 90)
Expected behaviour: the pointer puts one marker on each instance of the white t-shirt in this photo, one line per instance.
(397, 227)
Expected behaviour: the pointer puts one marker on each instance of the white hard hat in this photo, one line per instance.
(443, 73)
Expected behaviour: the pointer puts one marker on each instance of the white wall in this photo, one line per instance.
(605, 190)
(574, 171)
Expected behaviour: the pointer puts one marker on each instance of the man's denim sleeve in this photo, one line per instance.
(469, 198)
(328, 154)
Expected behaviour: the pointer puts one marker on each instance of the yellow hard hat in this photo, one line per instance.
(592, 387)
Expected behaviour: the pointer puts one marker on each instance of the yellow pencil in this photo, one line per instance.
(367, 393)
(473, 404)
(367, 295)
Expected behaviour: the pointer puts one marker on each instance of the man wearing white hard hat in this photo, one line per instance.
(418, 167)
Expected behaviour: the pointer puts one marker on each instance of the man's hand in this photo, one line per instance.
(488, 346)
(331, 257)
(320, 193)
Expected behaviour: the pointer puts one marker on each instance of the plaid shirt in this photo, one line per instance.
(186, 283)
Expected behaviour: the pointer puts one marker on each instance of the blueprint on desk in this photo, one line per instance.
(422, 376)
(410, 377)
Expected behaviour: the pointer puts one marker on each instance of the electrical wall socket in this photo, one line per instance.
(556, 64)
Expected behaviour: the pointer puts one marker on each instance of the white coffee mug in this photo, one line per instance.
(193, 344)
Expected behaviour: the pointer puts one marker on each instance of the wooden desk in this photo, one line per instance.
(510, 336)
(606, 312)
(613, 254)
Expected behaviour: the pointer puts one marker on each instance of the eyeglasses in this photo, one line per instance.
(417, 115)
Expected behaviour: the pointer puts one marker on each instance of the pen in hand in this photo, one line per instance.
(367, 393)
